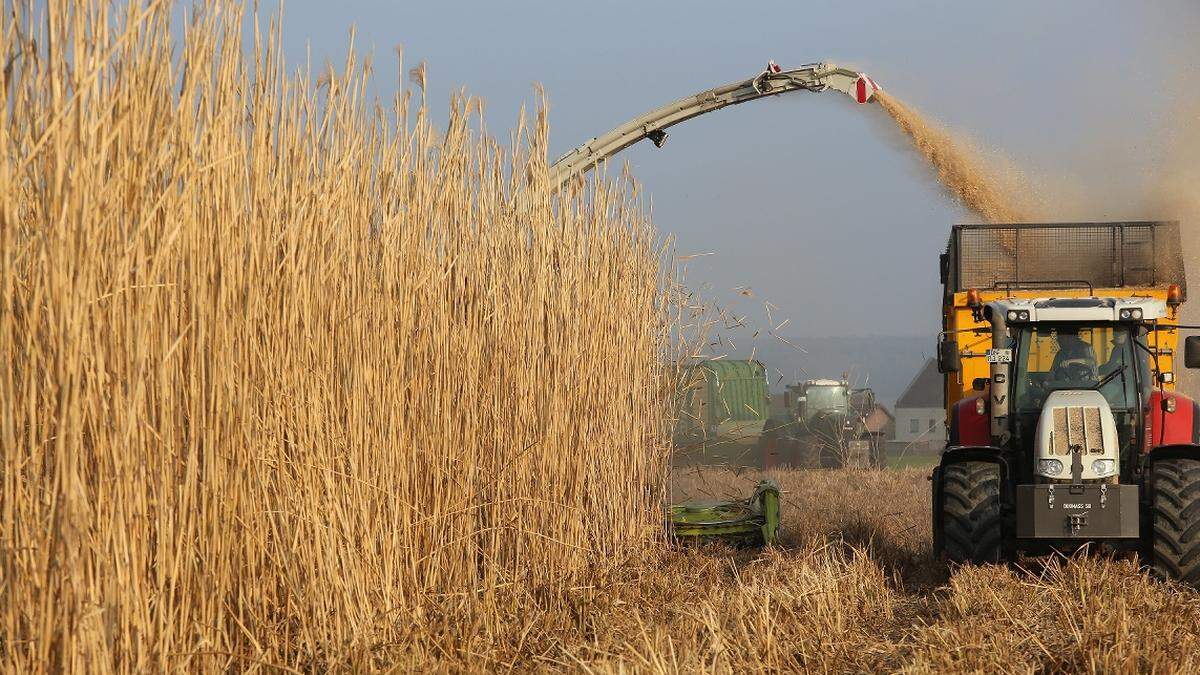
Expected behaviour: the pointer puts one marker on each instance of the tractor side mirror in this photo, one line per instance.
(948, 358)
(979, 383)
(1191, 352)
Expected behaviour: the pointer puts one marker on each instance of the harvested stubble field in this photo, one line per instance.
(292, 382)
(853, 587)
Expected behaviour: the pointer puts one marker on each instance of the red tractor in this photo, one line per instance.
(1058, 349)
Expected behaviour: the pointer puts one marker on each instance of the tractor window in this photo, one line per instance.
(1070, 356)
(826, 398)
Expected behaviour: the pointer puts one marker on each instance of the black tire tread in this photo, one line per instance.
(1176, 519)
(971, 515)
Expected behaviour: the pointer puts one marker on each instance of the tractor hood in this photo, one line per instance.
(1076, 437)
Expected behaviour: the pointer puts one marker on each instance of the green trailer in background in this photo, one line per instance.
(721, 409)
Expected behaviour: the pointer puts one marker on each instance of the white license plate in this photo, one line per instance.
(999, 356)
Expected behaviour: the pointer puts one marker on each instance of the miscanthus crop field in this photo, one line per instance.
(297, 380)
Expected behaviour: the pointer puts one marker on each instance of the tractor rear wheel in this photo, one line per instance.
(971, 516)
(831, 456)
(878, 452)
(770, 445)
(1176, 519)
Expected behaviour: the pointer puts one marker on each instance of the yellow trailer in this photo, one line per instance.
(986, 263)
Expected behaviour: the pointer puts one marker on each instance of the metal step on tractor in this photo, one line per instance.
(1059, 349)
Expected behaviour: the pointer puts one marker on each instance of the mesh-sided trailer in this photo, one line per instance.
(1064, 260)
(1062, 255)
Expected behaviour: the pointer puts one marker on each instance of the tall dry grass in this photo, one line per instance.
(294, 380)
(854, 588)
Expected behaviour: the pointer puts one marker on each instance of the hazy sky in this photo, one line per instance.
(808, 199)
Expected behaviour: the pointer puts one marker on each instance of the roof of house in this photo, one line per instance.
(880, 408)
(925, 390)
(878, 419)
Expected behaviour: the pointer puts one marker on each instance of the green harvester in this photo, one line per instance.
(741, 522)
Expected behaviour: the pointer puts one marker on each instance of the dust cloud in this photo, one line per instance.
(1173, 193)
(958, 166)
(1001, 193)
(1173, 190)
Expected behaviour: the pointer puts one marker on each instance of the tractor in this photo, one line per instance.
(823, 426)
(1058, 350)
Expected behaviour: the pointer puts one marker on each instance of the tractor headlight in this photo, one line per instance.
(1018, 315)
(1104, 467)
(1049, 467)
(1012, 315)
(1133, 313)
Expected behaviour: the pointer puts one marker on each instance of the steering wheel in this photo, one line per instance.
(1076, 370)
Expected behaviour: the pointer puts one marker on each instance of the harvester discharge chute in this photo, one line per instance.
(654, 124)
(742, 522)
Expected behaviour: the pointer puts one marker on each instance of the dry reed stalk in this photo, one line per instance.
(286, 382)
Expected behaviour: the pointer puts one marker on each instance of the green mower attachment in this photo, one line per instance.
(743, 522)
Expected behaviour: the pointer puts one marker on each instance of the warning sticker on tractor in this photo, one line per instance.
(999, 356)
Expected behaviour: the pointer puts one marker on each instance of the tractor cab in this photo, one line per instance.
(821, 399)
(1076, 374)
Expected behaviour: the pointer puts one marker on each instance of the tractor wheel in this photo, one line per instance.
(829, 459)
(806, 453)
(971, 519)
(770, 446)
(879, 458)
(1176, 519)
(833, 454)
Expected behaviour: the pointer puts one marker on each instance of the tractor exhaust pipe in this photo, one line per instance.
(998, 391)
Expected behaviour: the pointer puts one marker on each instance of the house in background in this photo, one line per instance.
(920, 417)
(879, 422)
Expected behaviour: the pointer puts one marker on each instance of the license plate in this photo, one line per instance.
(999, 356)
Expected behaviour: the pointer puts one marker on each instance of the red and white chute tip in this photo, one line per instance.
(864, 88)
(773, 67)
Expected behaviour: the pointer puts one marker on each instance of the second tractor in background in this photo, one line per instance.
(824, 425)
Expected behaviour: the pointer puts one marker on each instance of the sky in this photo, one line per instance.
(814, 203)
